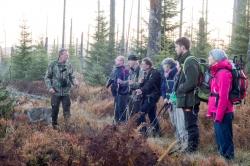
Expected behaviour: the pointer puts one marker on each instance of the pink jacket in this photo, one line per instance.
(221, 85)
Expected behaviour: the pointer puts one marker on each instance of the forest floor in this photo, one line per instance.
(92, 139)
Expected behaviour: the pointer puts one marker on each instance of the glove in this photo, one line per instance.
(172, 98)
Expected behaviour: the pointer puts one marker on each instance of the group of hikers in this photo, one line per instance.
(137, 88)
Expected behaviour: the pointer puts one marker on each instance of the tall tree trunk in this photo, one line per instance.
(238, 11)
(70, 38)
(123, 29)
(206, 19)
(164, 23)
(87, 50)
(46, 45)
(63, 31)
(181, 18)
(138, 23)
(112, 28)
(154, 28)
(248, 25)
(234, 19)
(81, 53)
(98, 16)
(129, 28)
(76, 47)
(192, 25)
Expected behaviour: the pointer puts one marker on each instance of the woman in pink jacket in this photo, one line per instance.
(220, 108)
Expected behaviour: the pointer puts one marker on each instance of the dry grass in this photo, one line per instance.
(90, 139)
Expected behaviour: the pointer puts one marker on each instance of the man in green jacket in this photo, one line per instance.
(59, 78)
(185, 90)
(133, 80)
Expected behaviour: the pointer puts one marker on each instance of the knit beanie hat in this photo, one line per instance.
(218, 54)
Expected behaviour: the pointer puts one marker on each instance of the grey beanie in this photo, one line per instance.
(218, 54)
(169, 61)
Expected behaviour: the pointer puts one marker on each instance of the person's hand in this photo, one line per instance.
(130, 82)
(52, 91)
(138, 92)
(166, 101)
(119, 81)
(76, 83)
(141, 80)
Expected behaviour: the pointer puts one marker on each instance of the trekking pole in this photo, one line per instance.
(128, 114)
(131, 111)
(166, 106)
(117, 89)
(127, 110)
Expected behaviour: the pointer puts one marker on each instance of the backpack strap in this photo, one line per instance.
(188, 58)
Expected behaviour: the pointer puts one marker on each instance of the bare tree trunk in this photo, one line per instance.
(76, 47)
(138, 23)
(63, 31)
(98, 16)
(123, 29)
(206, 17)
(81, 53)
(234, 19)
(248, 25)
(154, 28)
(129, 28)
(181, 18)
(70, 38)
(117, 39)
(112, 28)
(192, 25)
(46, 45)
(87, 50)
(164, 24)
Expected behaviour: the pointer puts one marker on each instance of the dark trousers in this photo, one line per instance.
(55, 103)
(224, 136)
(134, 105)
(149, 107)
(120, 108)
(191, 125)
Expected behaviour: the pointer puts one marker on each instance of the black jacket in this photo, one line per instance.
(151, 86)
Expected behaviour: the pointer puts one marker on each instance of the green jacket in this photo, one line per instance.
(134, 75)
(187, 82)
(60, 77)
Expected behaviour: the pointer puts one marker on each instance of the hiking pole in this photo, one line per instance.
(117, 89)
(127, 109)
(133, 105)
(166, 106)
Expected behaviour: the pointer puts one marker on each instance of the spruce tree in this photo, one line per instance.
(169, 12)
(39, 62)
(201, 46)
(22, 58)
(99, 61)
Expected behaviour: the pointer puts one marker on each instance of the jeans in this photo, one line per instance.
(120, 108)
(224, 136)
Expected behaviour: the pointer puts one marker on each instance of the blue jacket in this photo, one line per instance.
(119, 73)
(168, 84)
